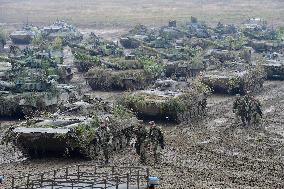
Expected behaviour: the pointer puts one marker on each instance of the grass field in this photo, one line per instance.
(88, 13)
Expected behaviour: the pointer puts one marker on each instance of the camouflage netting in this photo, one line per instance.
(122, 63)
(26, 103)
(85, 62)
(72, 137)
(183, 69)
(234, 81)
(106, 79)
(9, 107)
(274, 70)
(175, 106)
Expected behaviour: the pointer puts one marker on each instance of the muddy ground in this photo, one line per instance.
(214, 153)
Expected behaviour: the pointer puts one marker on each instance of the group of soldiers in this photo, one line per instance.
(149, 141)
(248, 109)
(145, 141)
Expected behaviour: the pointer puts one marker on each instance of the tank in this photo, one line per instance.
(182, 69)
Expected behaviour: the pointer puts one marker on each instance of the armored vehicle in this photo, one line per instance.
(68, 33)
(21, 37)
(274, 69)
(108, 79)
(234, 81)
(182, 70)
(72, 136)
(167, 102)
(24, 36)
(24, 97)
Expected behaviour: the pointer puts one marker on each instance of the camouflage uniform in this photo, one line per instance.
(256, 111)
(141, 134)
(248, 108)
(103, 136)
(144, 149)
(251, 110)
(239, 109)
(157, 139)
(128, 134)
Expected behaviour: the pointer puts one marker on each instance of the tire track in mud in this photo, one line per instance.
(228, 155)
(212, 153)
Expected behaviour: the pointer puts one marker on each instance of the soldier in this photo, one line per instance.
(238, 109)
(248, 108)
(141, 134)
(128, 133)
(144, 149)
(256, 111)
(103, 136)
(157, 139)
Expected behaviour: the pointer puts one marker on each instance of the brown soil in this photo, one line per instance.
(214, 153)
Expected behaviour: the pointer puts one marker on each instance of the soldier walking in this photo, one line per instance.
(103, 136)
(157, 140)
(141, 144)
(256, 111)
(248, 109)
(239, 109)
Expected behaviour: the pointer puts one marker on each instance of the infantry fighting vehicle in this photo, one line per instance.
(73, 136)
(168, 101)
(24, 36)
(25, 95)
(68, 33)
(234, 81)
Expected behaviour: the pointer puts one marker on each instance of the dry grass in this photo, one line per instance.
(128, 12)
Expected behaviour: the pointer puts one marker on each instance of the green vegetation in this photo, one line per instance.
(84, 62)
(148, 102)
(38, 41)
(104, 79)
(232, 42)
(87, 58)
(57, 43)
(122, 64)
(151, 65)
